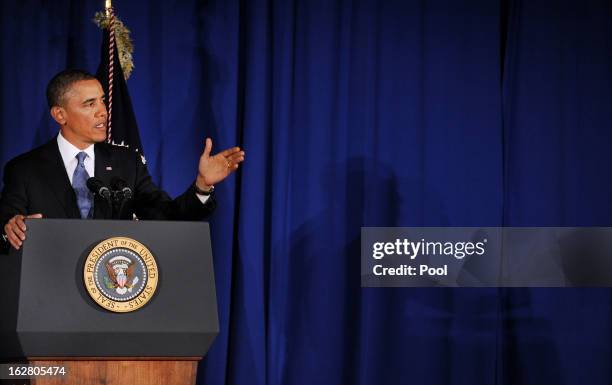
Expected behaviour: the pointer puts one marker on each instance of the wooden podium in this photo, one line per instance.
(49, 318)
(162, 371)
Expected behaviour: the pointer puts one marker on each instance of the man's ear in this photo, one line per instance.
(59, 115)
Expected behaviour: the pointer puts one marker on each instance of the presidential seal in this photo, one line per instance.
(120, 274)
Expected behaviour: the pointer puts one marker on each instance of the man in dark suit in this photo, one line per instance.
(50, 181)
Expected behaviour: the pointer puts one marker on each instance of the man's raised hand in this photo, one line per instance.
(213, 169)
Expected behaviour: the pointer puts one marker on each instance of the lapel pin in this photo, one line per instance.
(109, 168)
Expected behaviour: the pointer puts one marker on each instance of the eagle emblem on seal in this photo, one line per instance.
(120, 270)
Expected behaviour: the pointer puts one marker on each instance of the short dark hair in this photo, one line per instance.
(60, 84)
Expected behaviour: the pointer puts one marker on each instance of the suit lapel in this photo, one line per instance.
(55, 172)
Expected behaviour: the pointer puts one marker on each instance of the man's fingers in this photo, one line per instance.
(13, 240)
(208, 147)
(230, 151)
(236, 158)
(20, 234)
(20, 222)
(12, 229)
(15, 229)
(16, 244)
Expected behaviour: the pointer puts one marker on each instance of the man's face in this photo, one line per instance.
(83, 115)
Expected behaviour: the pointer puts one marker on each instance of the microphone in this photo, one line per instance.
(119, 185)
(96, 186)
(122, 195)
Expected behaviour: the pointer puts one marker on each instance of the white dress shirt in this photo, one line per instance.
(69, 153)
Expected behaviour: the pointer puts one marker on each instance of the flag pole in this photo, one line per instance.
(108, 7)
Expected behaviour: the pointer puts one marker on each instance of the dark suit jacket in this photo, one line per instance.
(37, 182)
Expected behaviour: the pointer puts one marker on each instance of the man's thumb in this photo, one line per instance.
(208, 147)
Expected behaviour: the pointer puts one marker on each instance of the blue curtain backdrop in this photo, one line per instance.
(360, 113)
